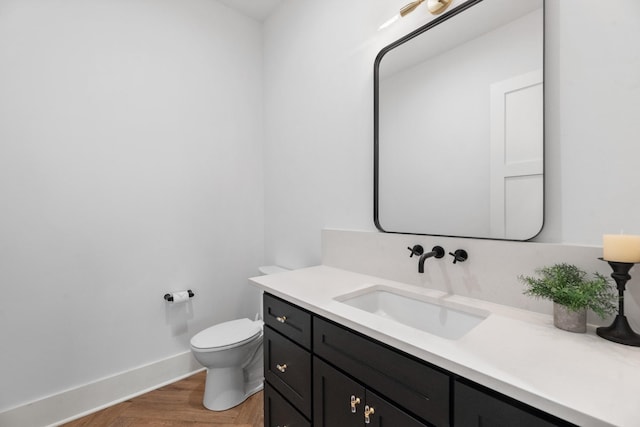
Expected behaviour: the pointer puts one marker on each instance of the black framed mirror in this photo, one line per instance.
(459, 124)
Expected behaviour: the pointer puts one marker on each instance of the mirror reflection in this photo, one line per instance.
(459, 125)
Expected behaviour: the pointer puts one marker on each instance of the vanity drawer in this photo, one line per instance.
(421, 389)
(279, 413)
(289, 320)
(287, 367)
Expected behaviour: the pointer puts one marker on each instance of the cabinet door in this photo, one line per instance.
(475, 408)
(333, 394)
(387, 415)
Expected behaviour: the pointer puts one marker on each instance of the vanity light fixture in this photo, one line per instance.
(435, 7)
(407, 9)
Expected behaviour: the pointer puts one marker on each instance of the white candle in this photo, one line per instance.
(621, 248)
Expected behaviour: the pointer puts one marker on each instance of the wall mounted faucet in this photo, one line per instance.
(436, 252)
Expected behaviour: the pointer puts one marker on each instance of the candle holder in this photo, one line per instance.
(620, 331)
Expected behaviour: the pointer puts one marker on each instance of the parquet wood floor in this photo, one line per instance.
(177, 404)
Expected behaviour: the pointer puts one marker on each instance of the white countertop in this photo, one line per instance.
(581, 378)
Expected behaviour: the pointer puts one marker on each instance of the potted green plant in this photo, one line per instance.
(572, 293)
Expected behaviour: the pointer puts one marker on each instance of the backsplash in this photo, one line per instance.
(489, 274)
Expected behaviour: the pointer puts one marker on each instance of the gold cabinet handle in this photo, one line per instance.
(281, 319)
(282, 367)
(368, 410)
(354, 401)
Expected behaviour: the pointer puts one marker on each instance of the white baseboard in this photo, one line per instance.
(78, 402)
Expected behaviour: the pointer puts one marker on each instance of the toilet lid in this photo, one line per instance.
(227, 333)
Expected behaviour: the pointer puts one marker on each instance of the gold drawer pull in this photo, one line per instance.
(354, 401)
(282, 367)
(368, 410)
(281, 319)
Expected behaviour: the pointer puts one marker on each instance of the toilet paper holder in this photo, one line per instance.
(169, 297)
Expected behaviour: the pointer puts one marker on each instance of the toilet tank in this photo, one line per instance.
(271, 269)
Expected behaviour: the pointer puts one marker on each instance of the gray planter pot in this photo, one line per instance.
(568, 320)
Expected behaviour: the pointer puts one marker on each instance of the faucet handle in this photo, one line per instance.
(459, 255)
(416, 250)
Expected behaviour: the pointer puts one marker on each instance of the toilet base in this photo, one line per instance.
(225, 388)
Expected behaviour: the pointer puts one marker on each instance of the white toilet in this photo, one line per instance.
(232, 353)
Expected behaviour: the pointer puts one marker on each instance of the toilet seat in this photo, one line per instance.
(227, 335)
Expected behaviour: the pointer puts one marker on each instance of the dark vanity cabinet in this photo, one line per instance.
(319, 373)
(287, 364)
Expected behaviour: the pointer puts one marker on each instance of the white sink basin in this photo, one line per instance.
(444, 319)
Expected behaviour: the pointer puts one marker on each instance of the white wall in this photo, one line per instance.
(319, 79)
(130, 165)
(318, 122)
(593, 105)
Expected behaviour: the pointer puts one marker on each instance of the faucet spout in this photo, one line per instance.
(436, 252)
